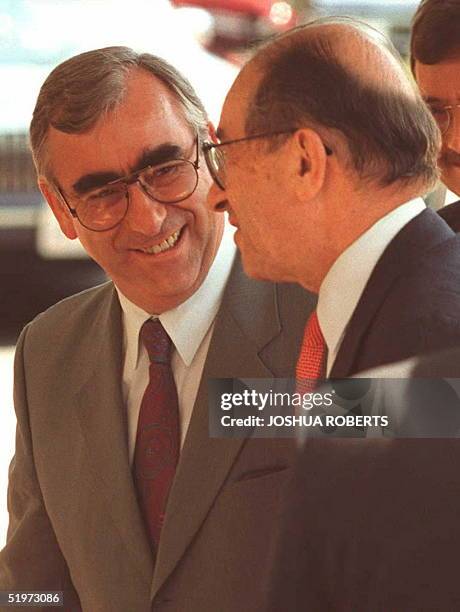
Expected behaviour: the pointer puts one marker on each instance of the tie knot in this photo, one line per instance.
(311, 365)
(156, 341)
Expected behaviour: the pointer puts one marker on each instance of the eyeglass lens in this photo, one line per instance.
(168, 184)
(216, 162)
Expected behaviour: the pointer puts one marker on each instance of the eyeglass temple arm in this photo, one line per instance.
(62, 197)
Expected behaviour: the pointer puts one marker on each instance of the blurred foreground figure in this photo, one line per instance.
(370, 526)
(435, 58)
(325, 149)
(117, 495)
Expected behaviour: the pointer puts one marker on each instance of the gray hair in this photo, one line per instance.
(78, 92)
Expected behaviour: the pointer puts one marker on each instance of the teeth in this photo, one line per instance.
(163, 246)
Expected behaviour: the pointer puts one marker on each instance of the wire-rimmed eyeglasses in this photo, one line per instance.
(104, 208)
(443, 115)
(215, 158)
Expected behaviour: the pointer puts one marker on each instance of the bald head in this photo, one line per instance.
(346, 80)
(360, 49)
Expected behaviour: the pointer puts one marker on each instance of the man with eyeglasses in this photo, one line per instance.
(118, 496)
(435, 61)
(330, 196)
(326, 147)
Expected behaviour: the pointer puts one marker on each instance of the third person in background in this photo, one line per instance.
(435, 61)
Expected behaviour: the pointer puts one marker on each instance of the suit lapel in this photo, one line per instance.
(421, 234)
(103, 422)
(205, 462)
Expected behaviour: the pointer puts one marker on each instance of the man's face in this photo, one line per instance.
(440, 86)
(147, 127)
(256, 193)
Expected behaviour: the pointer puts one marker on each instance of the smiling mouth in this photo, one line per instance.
(165, 245)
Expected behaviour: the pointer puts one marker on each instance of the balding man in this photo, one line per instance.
(329, 195)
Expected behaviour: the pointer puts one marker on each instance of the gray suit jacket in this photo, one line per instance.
(74, 520)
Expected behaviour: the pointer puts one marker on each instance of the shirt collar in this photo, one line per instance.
(188, 323)
(346, 280)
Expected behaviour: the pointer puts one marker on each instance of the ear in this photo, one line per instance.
(59, 208)
(212, 132)
(311, 159)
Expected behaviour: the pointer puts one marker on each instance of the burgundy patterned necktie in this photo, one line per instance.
(311, 365)
(157, 441)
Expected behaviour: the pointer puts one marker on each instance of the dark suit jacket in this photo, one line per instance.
(372, 526)
(74, 520)
(438, 365)
(411, 303)
(451, 215)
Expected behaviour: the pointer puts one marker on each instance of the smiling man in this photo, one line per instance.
(118, 209)
(435, 58)
(117, 495)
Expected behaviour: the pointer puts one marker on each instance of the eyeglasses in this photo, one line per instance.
(215, 158)
(105, 207)
(443, 116)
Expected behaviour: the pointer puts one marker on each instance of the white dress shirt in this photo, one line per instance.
(190, 326)
(347, 278)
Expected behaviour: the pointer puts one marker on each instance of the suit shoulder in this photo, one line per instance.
(69, 312)
(451, 215)
(436, 272)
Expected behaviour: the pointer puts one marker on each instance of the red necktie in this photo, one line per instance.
(157, 441)
(311, 365)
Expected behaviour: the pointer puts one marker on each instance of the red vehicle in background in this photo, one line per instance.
(238, 24)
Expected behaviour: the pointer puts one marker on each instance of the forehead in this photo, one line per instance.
(149, 115)
(441, 80)
(238, 103)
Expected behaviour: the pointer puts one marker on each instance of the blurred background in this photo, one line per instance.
(208, 40)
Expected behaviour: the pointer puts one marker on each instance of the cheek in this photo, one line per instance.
(203, 218)
(205, 228)
(99, 245)
(196, 205)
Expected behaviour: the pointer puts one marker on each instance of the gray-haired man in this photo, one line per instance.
(104, 438)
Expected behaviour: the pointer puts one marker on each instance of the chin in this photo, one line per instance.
(259, 270)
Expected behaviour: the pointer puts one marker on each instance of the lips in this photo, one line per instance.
(232, 220)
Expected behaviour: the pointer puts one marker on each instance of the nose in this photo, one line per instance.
(216, 201)
(145, 215)
(451, 139)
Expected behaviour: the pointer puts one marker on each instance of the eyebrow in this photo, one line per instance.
(443, 101)
(431, 99)
(149, 157)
